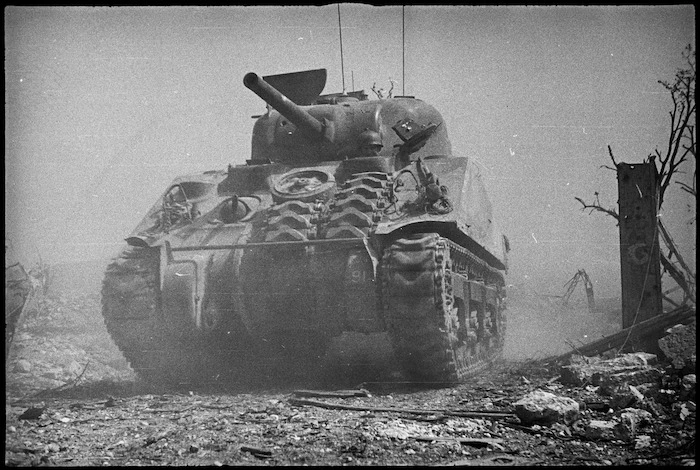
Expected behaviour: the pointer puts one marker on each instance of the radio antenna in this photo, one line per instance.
(403, 49)
(342, 67)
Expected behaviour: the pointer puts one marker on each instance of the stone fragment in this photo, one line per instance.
(540, 407)
(597, 429)
(52, 447)
(648, 390)
(642, 442)
(561, 429)
(623, 426)
(656, 409)
(74, 368)
(635, 359)
(683, 410)
(679, 345)
(53, 373)
(23, 365)
(637, 393)
(632, 419)
(632, 368)
(624, 396)
(667, 396)
(632, 376)
(688, 387)
(607, 430)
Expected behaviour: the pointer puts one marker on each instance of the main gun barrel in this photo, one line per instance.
(286, 107)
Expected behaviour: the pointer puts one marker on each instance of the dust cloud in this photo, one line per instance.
(539, 326)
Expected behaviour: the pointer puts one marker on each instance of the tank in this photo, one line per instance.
(351, 216)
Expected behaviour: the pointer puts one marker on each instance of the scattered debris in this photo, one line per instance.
(157, 437)
(32, 413)
(621, 427)
(474, 442)
(500, 460)
(259, 453)
(333, 394)
(464, 414)
(632, 409)
(622, 396)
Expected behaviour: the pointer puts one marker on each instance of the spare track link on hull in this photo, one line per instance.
(153, 347)
(440, 330)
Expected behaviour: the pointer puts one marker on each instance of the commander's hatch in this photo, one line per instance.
(302, 88)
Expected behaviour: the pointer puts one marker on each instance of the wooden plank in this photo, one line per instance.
(656, 325)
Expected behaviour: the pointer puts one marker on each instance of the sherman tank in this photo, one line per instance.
(352, 215)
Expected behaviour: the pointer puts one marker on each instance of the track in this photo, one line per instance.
(154, 345)
(438, 334)
(162, 349)
(442, 305)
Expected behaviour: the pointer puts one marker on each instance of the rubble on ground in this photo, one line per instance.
(636, 408)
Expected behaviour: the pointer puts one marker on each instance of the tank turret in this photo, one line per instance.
(297, 115)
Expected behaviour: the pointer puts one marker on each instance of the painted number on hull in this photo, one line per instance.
(359, 270)
(360, 277)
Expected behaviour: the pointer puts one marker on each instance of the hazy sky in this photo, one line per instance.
(104, 107)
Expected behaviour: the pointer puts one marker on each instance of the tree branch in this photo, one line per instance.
(597, 207)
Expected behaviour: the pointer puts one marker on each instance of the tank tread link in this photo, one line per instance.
(438, 335)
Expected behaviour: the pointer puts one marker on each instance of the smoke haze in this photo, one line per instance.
(106, 106)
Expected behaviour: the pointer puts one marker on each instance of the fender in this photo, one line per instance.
(182, 288)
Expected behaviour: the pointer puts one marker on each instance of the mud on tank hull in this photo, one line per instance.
(357, 247)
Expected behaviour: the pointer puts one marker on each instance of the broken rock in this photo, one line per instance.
(623, 427)
(23, 366)
(642, 442)
(596, 429)
(688, 387)
(632, 419)
(540, 407)
(631, 369)
(624, 396)
(679, 345)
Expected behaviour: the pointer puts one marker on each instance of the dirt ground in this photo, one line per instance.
(72, 400)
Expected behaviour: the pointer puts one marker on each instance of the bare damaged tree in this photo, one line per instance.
(596, 206)
(681, 145)
(680, 148)
(681, 142)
